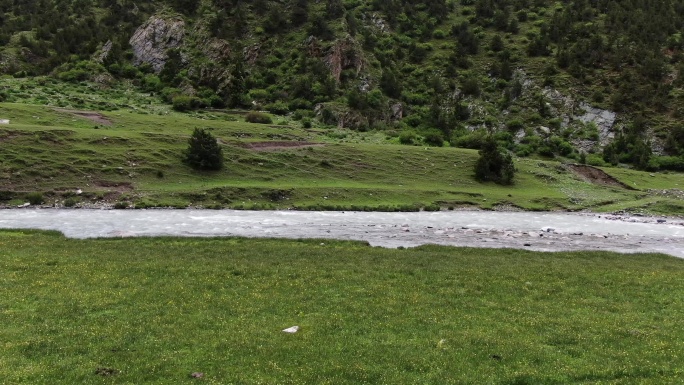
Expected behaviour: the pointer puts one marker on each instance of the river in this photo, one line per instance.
(523, 230)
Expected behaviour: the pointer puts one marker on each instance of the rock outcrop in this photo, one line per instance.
(345, 54)
(103, 53)
(603, 119)
(152, 40)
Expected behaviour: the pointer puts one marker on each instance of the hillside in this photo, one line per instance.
(132, 157)
(597, 81)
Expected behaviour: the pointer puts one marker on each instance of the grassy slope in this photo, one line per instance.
(137, 160)
(158, 309)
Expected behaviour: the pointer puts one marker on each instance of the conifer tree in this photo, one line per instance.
(203, 152)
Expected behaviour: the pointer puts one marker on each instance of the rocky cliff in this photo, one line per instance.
(152, 40)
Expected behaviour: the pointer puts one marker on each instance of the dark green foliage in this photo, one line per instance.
(390, 85)
(630, 146)
(672, 163)
(494, 165)
(35, 198)
(408, 137)
(184, 103)
(203, 152)
(258, 117)
(434, 138)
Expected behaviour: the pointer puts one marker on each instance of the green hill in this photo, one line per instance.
(590, 82)
(537, 72)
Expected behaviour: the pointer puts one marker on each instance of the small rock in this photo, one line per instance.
(197, 375)
(661, 221)
(293, 329)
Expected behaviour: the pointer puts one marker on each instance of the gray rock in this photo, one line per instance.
(152, 40)
(397, 111)
(101, 56)
(603, 119)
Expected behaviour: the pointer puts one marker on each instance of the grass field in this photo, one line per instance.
(135, 160)
(155, 310)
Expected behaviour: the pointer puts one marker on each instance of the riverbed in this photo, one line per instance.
(523, 230)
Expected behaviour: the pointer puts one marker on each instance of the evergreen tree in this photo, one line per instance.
(203, 152)
(493, 164)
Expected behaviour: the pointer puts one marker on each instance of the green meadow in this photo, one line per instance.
(156, 310)
(134, 159)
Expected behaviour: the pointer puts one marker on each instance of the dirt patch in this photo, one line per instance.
(596, 176)
(90, 115)
(279, 145)
(7, 135)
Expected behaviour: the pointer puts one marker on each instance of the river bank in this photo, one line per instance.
(542, 231)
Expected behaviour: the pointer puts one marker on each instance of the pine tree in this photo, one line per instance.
(203, 152)
(493, 164)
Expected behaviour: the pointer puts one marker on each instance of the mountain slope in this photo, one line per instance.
(600, 81)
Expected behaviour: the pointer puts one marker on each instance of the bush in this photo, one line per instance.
(408, 137)
(434, 138)
(278, 108)
(471, 140)
(70, 202)
(74, 75)
(258, 117)
(185, 103)
(494, 165)
(596, 160)
(515, 125)
(35, 198)
(673, 163)
(203, 152)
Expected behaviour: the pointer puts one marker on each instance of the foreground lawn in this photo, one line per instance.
(155, 310)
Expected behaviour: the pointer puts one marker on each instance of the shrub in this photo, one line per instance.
(434, 138)
(258, 117)
(74, 75)
(185, 103)
(515, 125)
(408, 137)
(35, 198)
(471, 140)
(151, 83)
(203, 152)
(494, 165)
(169, 93)
(673, 163)
(70, 202)
(596, 160)
(278, 108)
